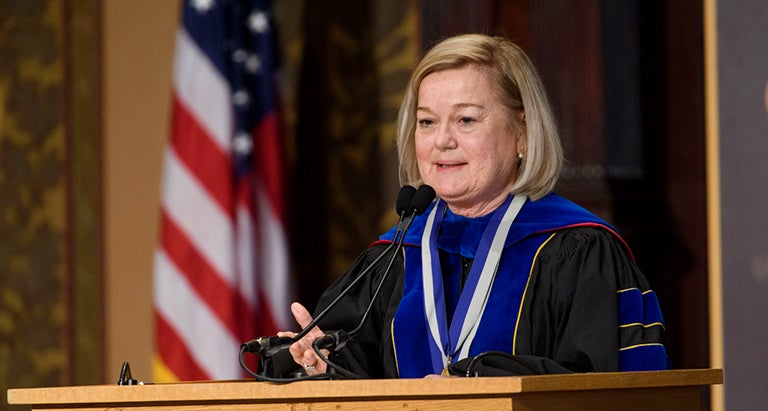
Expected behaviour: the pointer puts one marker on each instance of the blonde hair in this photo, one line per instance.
(520, 89)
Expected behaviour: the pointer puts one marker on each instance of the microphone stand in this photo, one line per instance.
(336, 340)
(274, 358)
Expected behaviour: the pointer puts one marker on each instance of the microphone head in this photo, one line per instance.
(421, 200)
(404, 200)
(266, 345)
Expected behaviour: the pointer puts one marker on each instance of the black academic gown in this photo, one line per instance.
(570, 320)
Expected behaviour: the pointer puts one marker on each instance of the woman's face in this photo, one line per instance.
(465, 146)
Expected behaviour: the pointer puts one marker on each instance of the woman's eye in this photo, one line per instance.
(425, 122)
(466, 120)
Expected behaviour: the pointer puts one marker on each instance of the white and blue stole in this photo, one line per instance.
(486, 314)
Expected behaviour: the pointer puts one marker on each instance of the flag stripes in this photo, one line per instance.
(206, 160)
(221, 267)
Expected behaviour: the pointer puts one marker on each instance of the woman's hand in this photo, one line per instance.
(302, 351)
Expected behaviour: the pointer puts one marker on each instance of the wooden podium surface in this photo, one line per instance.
(652, 390)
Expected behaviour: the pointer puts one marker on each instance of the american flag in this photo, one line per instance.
(221, 273)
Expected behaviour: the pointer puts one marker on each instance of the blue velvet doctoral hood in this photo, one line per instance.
(416, 350)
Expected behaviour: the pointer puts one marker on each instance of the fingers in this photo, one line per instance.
(302, 316)
(312, 363)
(302, 351)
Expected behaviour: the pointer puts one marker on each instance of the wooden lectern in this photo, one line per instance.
(652, 390)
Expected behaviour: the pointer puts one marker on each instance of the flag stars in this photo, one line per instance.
(242, 144)
(241, 98)
(202, 5)
(239, 56)
(258, 22)
(251, 62)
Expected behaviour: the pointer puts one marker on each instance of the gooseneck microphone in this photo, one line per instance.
(422, 199)
(404, 199)
(337, 339)
(269, 347)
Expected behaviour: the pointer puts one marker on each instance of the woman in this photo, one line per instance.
(498, 263)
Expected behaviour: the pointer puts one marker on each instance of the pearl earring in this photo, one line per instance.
(520, 156)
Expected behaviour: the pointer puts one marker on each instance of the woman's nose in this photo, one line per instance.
(445, 138)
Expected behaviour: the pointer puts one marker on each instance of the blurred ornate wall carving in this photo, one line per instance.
(50, 257)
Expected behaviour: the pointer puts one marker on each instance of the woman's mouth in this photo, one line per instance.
(449, 165)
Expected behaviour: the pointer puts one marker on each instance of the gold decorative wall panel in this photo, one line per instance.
(50, 279)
